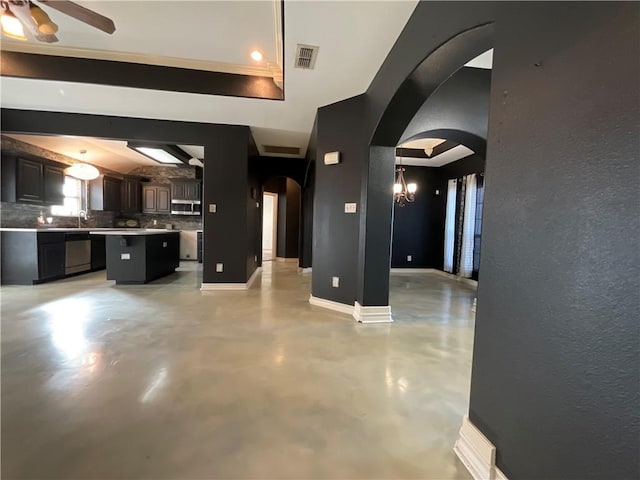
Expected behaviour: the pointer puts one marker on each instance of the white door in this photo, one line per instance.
(269, 225)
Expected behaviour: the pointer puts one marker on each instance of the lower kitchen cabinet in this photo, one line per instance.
(30, 257)
(98, 252)
(51, 261)
(156, 199)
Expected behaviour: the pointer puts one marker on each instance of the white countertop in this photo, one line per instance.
(96, 230)
(137, 232)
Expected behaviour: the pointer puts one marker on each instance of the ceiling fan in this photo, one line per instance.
(17, 14)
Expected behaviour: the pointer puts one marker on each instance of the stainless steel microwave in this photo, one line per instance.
(186, 207)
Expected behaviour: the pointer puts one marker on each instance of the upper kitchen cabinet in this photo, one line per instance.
(106, 194)
(53, 185)
(156, 199)
(131, 195)
(32, 180)
(185, 189)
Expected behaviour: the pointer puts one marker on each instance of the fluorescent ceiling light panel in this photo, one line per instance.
(159, 155)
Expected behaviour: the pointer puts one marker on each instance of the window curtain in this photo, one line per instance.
(468, 226)
(450, 226)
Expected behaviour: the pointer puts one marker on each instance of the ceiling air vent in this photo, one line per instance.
(306, 56)
(281, 150)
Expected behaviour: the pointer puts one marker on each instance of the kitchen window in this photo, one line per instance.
(72, 191)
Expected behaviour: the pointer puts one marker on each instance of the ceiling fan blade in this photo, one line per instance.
(83, 14)
(21, 11)
(46, 38)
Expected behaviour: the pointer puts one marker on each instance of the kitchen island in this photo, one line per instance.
(140, 256)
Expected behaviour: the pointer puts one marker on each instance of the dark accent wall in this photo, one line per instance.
(418, 227)
(308, 193)
(336, 234)
(555, 382)
(224, 178)
(254, 210)
(458, 110)
(136, 75)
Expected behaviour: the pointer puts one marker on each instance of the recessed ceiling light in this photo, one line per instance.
(159, 155)
(256, 55)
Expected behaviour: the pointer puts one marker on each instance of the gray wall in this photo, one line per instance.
(555, 382)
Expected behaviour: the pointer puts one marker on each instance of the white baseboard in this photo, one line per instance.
(231, 286)
(331, 305)
(409, 271)
(253, 276)
(305, 270)
(477, 453)
(372, 314)
(286, 259)
(435, 271)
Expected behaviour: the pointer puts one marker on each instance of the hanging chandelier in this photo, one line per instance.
(403, 193)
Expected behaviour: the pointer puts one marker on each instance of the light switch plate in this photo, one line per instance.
(212, 208)
(125, 256)
(335, 282)
(350, 207)
(164, 244)
(219, 267)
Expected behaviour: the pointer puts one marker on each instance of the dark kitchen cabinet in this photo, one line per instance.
(200, 246)
(98, 252)
(30, 181)
(51, 256)
(53, 185)
(156, 199)
(131, 195)
(185, 189)
(106, 194)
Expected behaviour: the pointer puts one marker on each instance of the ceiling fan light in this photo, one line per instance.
(11, 26)
(46, 26)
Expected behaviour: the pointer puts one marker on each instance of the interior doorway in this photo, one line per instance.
(269, 226)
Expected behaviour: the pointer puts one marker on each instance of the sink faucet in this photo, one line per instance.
(81, 214)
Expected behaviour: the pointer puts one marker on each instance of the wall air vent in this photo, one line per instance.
(306, 56)
(281, 150)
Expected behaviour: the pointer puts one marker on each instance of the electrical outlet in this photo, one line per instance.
(437, 192)
(212, 208)
(255, 258)
(335, 282)
(164, 244)
(125, 256)
(408, 258)
(155, 222)
(219, 267)
(350, 207)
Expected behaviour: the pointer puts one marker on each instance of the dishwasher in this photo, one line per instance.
(78, 253)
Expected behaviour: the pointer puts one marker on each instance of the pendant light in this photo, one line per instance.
(82, 171)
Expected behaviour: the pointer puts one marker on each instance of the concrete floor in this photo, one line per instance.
(163, 381)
